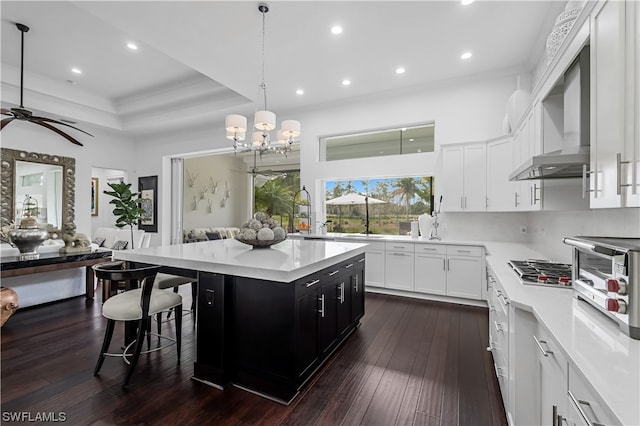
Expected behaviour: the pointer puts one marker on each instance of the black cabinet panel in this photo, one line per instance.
(306, 337)
(357, 290)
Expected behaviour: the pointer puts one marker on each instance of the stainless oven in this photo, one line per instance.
(606, 274)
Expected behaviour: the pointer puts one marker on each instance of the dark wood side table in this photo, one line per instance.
(12, 266)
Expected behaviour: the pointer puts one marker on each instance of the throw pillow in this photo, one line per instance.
(119, 245)
(99, 241)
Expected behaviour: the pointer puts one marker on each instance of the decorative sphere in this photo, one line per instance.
(279, 233)
(249, 234)
(261, 216)
(255, 224)
(265, 234)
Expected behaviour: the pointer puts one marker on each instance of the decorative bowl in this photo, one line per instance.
(260, 243)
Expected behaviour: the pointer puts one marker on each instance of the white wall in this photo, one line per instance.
(223, 169)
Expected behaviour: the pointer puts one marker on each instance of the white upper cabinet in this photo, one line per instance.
(615, 106)
(502, 195)
(464, 174)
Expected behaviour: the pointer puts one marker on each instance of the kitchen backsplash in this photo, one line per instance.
(543, 230)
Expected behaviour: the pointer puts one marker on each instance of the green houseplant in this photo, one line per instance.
(127, 205)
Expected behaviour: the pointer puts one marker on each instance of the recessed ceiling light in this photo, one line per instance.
(466, 2)
(336, 29)
(411, 140)
(404, 129)
(76, 70)
(299, 92)
(346, 82)
(132, 46)
(400, 70)
(466, 55)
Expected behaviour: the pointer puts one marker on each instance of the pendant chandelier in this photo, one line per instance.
(264, 120)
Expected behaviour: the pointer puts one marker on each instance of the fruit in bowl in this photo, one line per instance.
(261, 231)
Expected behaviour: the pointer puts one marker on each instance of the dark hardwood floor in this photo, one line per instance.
(411, 362)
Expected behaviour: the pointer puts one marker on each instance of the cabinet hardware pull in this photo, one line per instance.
(399, 254)
(357, 284)
(544, 351)
(498, 371)
(619, 164)
(448, 265)
(535, 196)
(578, 405)
(516, 203)
(361, 260)
(490, 347)
(322, 306)
(333, 273)
(429, 248)
(585, 174)
(348, 266)
(461, 203)
(464, 251)
(342, 292)
(398, 247)
(444, 264)
(310, 283)
(504, 300)
(492, 308)
(498, 327)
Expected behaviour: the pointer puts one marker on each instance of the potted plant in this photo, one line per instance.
(127, 205)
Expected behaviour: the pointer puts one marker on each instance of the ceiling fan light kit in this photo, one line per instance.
(264, 120)
(23, 114)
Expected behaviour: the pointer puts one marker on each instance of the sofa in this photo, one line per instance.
(200, 234)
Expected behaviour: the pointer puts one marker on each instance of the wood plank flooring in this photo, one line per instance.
(411, 362)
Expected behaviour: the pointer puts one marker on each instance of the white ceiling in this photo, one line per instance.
(199, 60)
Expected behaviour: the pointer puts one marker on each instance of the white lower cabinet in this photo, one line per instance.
(374, 267)
(399, 259)
(499, 336)
(551, 380)
(449, 270)
(585, 408)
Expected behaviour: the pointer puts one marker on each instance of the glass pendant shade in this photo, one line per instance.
(237, 136)
(291, 128)
(265, 120)
(235, 123)
(257, 139)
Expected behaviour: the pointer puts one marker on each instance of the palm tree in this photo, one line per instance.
(405, 190)
(274, 197)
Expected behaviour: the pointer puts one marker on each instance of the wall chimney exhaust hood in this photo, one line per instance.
(569, 161)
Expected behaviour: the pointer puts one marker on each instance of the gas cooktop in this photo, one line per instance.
(542, 272)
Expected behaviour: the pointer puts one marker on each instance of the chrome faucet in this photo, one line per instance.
(433, 233)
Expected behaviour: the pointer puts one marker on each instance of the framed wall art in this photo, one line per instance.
(148, 189)
(95, 189)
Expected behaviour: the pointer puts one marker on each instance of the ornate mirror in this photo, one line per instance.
(50, 179)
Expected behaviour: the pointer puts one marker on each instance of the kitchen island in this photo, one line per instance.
(267, 319)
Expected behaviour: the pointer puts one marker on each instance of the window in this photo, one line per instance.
(273, 194)
(392, 204)
(397, 141)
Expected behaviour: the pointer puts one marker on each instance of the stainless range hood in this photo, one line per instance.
(569, 161)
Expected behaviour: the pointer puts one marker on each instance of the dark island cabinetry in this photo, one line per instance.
(275, 335)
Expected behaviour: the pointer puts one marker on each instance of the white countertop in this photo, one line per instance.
(608, 358)
(383, 238)
(285, 262)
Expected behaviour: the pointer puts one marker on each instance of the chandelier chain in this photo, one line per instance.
(263, 85)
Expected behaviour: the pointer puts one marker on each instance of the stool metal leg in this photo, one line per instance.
(108, 334)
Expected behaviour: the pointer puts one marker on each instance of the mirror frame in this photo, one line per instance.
(7, 181)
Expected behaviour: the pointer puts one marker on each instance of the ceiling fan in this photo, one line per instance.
(24, 114)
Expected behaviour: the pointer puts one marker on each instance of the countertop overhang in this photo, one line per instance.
(287, 261)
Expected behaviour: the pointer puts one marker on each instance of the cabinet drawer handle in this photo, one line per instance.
(399, 254)
(504, 300)
(333, 273)
(492, 308)
(463, 251)
(399, 247)
(429, 248)
(361, 260)
(357, 285)
(545, 352)
(498, 327)
(321, 298)
(578, 405)
(498, 371)
(310, 283)
(348, 266)
(341, 292)
(619, 164)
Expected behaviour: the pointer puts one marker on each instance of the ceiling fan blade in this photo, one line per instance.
(58, 131)
(5, 122)
(59, 122)
(6, 111)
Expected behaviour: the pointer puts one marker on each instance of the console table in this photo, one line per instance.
(12, 266)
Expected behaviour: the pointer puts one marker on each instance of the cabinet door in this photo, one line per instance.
(357, 291)
(430, 274)
(553, 379)
(343, 303)
(501, 193)
(306, 338)
(374, 268)
(452, 178)
(464, 277)
(399, 270)
(327, 321)
(475, 178)
(607, 102)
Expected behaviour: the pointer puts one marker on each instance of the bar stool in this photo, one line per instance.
(135, 307)
(166, 281)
